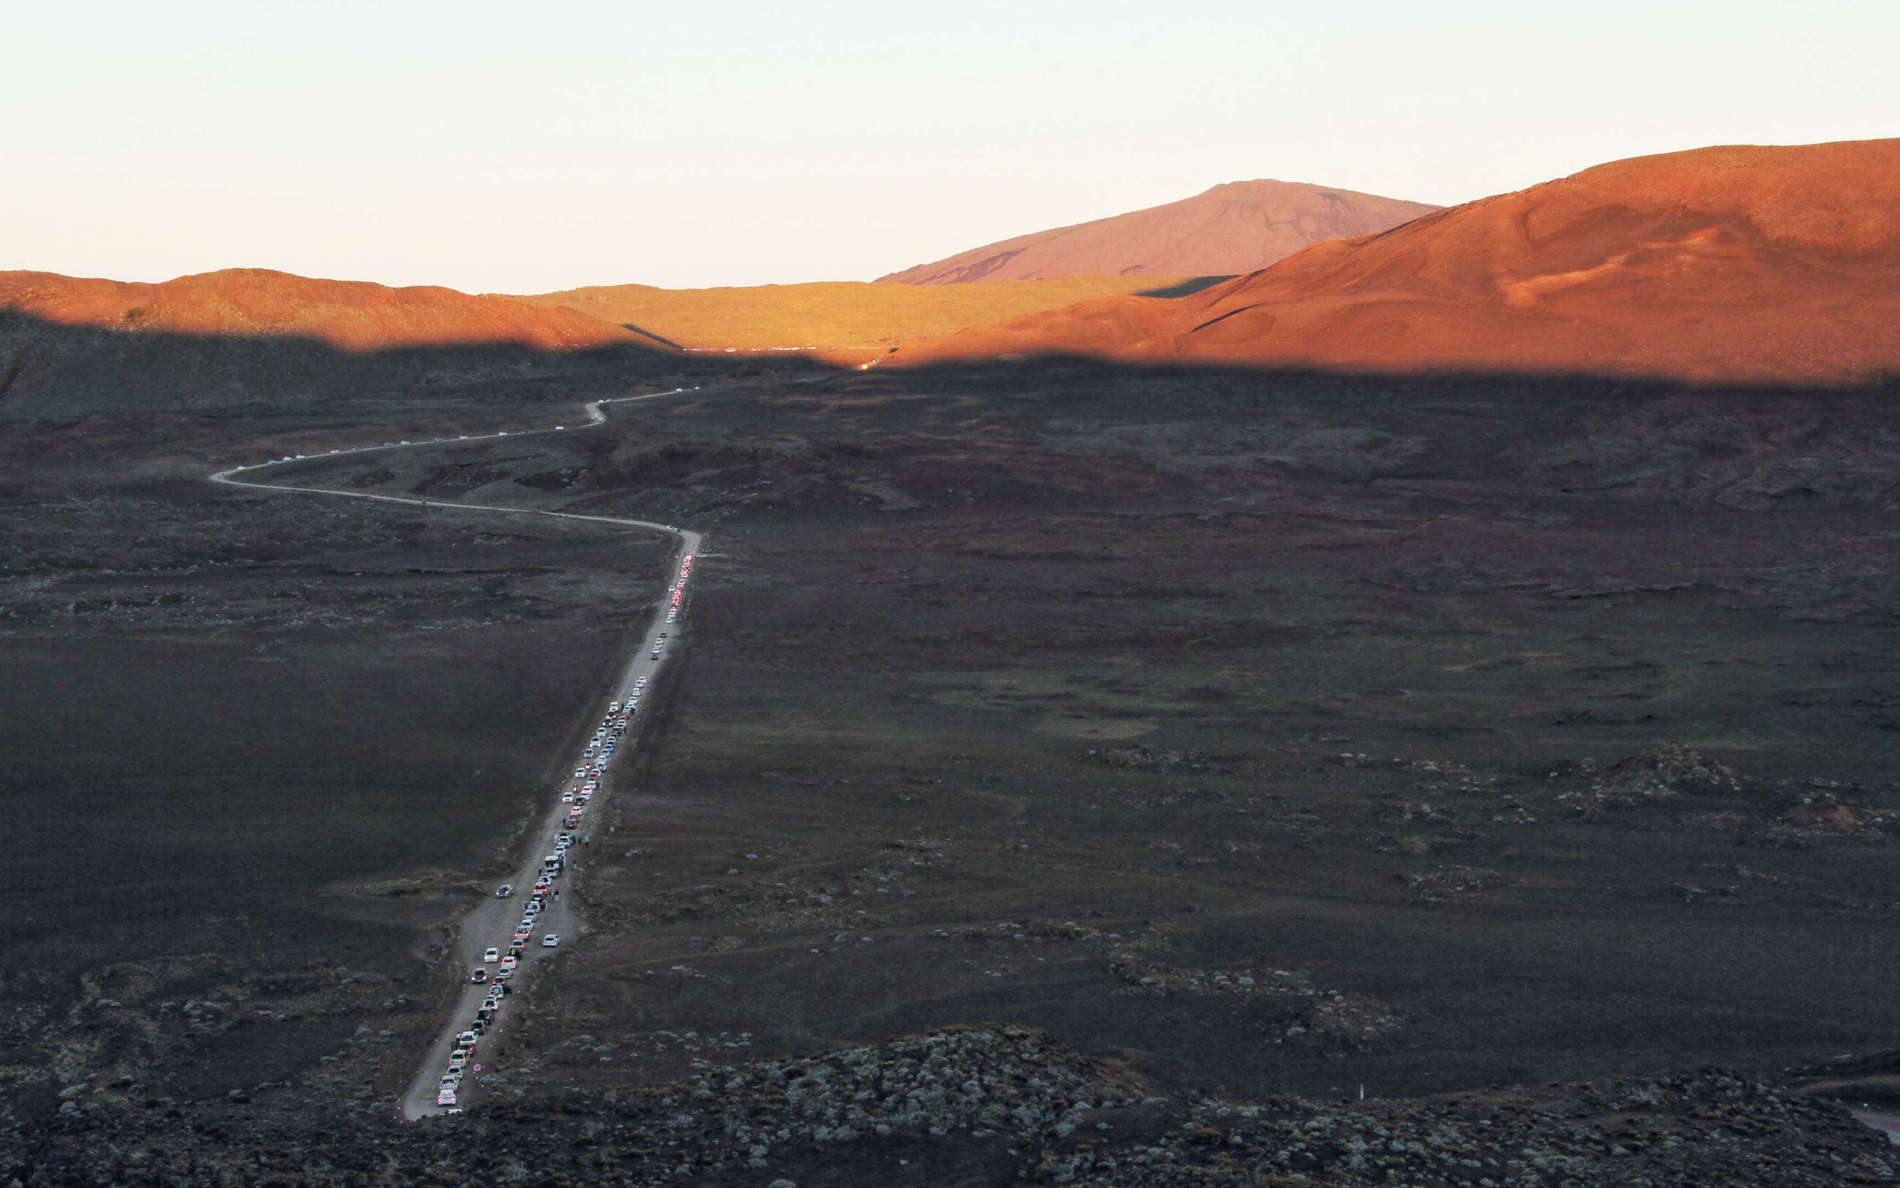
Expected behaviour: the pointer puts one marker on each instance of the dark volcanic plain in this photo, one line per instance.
(1236, 734)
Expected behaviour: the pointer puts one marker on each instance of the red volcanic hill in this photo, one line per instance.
(72, 346)
(1737, 263)
(257, 302)
(1232, 228)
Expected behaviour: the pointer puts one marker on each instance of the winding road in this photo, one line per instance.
(492, 922)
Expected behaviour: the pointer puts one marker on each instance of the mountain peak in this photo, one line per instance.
(1736, 263)
(1230, 228)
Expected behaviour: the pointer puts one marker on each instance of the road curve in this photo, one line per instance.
(491, 922)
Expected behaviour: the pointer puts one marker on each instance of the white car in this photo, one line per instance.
(491, 954)
(445, 1098)
(580, 773)
(550, 940)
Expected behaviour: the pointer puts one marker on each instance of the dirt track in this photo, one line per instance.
(488, 924)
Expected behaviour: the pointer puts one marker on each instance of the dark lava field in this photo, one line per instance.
(1072, 774)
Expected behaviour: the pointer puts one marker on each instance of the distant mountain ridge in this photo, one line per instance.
(349, 315)
(1736, 263)
(845, 318)
(1233, 228)
(250, 336)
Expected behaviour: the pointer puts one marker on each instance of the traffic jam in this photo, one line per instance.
(575, 795)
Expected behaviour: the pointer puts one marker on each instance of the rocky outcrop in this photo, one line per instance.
(969, 1105)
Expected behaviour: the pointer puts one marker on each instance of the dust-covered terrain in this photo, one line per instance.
(259, 747)
(1076, 773)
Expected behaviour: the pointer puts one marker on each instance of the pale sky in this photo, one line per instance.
(526, 147)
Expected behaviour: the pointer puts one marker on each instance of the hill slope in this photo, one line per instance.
(70, 345)
(1233, 228)
(845, 318)
(351, 315)
(1729, 263)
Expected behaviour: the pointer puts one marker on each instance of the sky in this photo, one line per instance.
(525, 148)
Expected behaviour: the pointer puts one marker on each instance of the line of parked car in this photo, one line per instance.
(507, 958)
(676, 593)
(595, 754)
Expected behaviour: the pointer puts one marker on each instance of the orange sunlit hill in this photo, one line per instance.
(1736, 263)
(1232, 228)
(842, 320)
(835, 319)
(349, 315)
